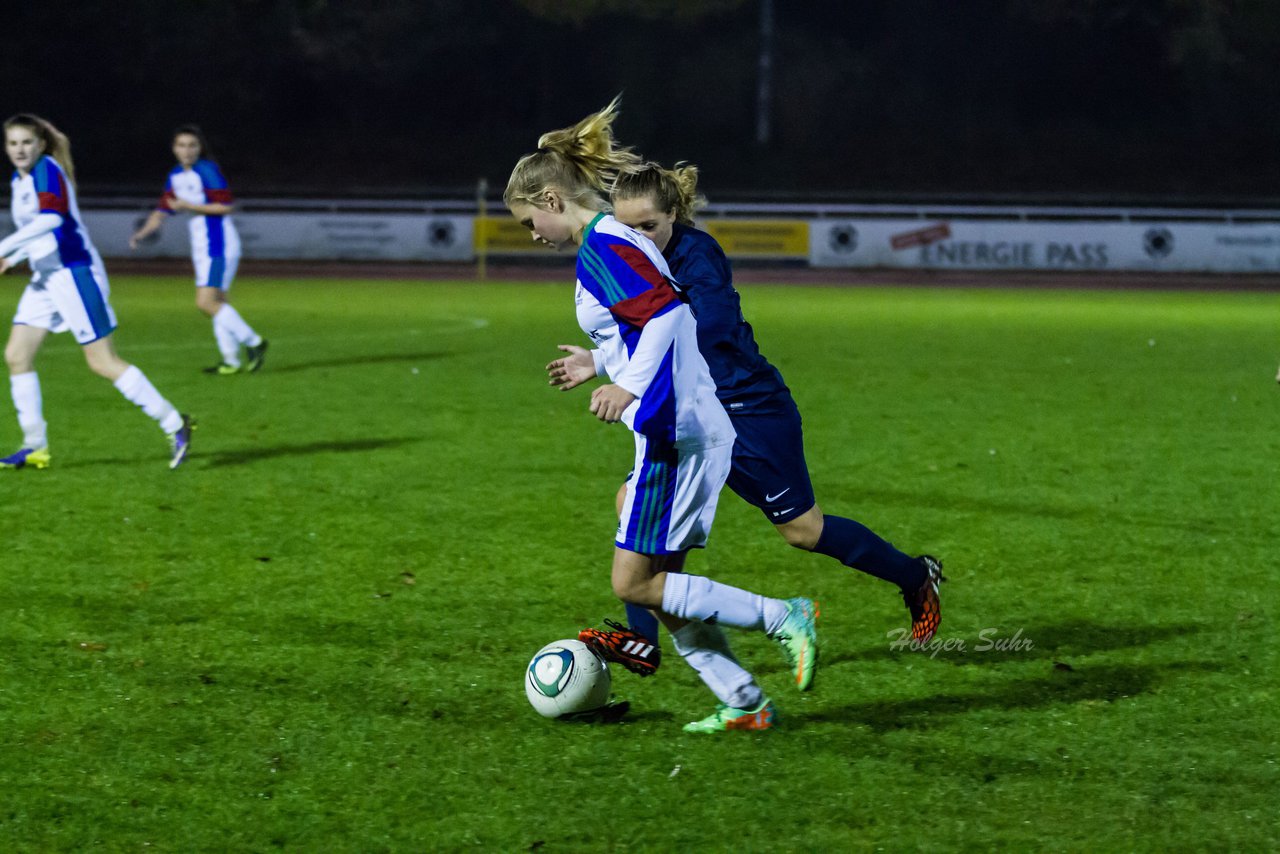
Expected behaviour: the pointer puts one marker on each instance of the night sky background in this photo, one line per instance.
(1170, 101)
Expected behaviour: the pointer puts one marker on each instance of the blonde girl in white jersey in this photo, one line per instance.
(659, 387)
(68, 292)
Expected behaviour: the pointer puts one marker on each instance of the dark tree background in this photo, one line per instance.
(1089, 99)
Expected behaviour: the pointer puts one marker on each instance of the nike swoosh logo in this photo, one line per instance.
(779, 495)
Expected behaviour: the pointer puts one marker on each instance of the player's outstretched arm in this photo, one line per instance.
(573, 370)
(150, 227)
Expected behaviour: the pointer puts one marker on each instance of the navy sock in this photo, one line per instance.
(855, 545)
(641, 620)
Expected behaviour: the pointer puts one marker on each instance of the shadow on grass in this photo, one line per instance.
(217, 459)
(357, 359)
(1103, 683)
(257, 454)
(1061, 640)
(969, 504)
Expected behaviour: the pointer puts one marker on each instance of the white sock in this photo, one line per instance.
(27, 400)
(228, 346)
(694, 597)
(231, 320)
(706, 649)
(137, 389)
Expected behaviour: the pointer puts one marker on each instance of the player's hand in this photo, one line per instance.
(573, 370)
(177, 204)
(609, 402)
(133, 242)
(4, 266)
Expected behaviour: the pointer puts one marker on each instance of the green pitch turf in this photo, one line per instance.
(312, 636)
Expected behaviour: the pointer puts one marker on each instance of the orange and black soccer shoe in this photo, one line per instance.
(925, 607)
(622, 645)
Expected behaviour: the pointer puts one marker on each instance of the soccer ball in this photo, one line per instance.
(566, 677)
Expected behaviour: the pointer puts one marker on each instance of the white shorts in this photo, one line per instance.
(71, 299)
(215, 272)
(671, 497)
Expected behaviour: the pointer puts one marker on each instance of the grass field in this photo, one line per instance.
(312, 636)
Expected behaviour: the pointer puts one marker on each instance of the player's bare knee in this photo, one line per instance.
(636, 591)
(804, 531)
(800, 539)
(106, 365)
(208, 300)
(101, 369)
(625, 589)
(18, 358)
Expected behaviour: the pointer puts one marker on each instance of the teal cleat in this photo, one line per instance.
(798, 635)
(728, 718)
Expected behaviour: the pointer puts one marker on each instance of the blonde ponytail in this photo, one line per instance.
(581, 162)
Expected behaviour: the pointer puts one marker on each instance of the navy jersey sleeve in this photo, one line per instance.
(707, 281)
(743, 376)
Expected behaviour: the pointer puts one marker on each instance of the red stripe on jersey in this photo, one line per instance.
(639, 262)
(53, 203)
(640, 309)
(218, 197)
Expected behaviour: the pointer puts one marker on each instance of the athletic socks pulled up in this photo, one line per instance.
(858, 547)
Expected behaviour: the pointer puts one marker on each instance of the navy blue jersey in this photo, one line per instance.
(744, 378)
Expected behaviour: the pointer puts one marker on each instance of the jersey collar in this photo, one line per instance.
(591, 225)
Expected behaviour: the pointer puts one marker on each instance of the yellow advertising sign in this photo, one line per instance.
(760, 238)
(502, 234)
(741, 238)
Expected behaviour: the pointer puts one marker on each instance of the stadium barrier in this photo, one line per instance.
(972, 237)
(960, 244)
(305, 236)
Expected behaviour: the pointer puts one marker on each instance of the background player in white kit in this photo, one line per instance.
(661, 388)
(196, 185)
(68, 291)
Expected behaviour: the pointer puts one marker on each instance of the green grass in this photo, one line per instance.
(312, 636)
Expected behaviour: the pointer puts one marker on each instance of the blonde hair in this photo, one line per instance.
(581, 162)
(673, 191)
(56, 143)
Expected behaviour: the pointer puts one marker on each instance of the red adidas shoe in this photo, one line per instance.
(622, 645)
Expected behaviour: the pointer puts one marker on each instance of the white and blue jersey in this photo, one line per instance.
(68, 289)
(215, 243)
(648, 344)
(647, 338)
(46, 190)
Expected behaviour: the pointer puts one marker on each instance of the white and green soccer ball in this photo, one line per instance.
(566, 677)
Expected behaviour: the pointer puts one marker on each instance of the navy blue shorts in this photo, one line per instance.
(769, 470)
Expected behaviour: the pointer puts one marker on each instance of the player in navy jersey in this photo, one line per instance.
(769, 468)
(661, 389)
(196, 186)
(68, 292)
